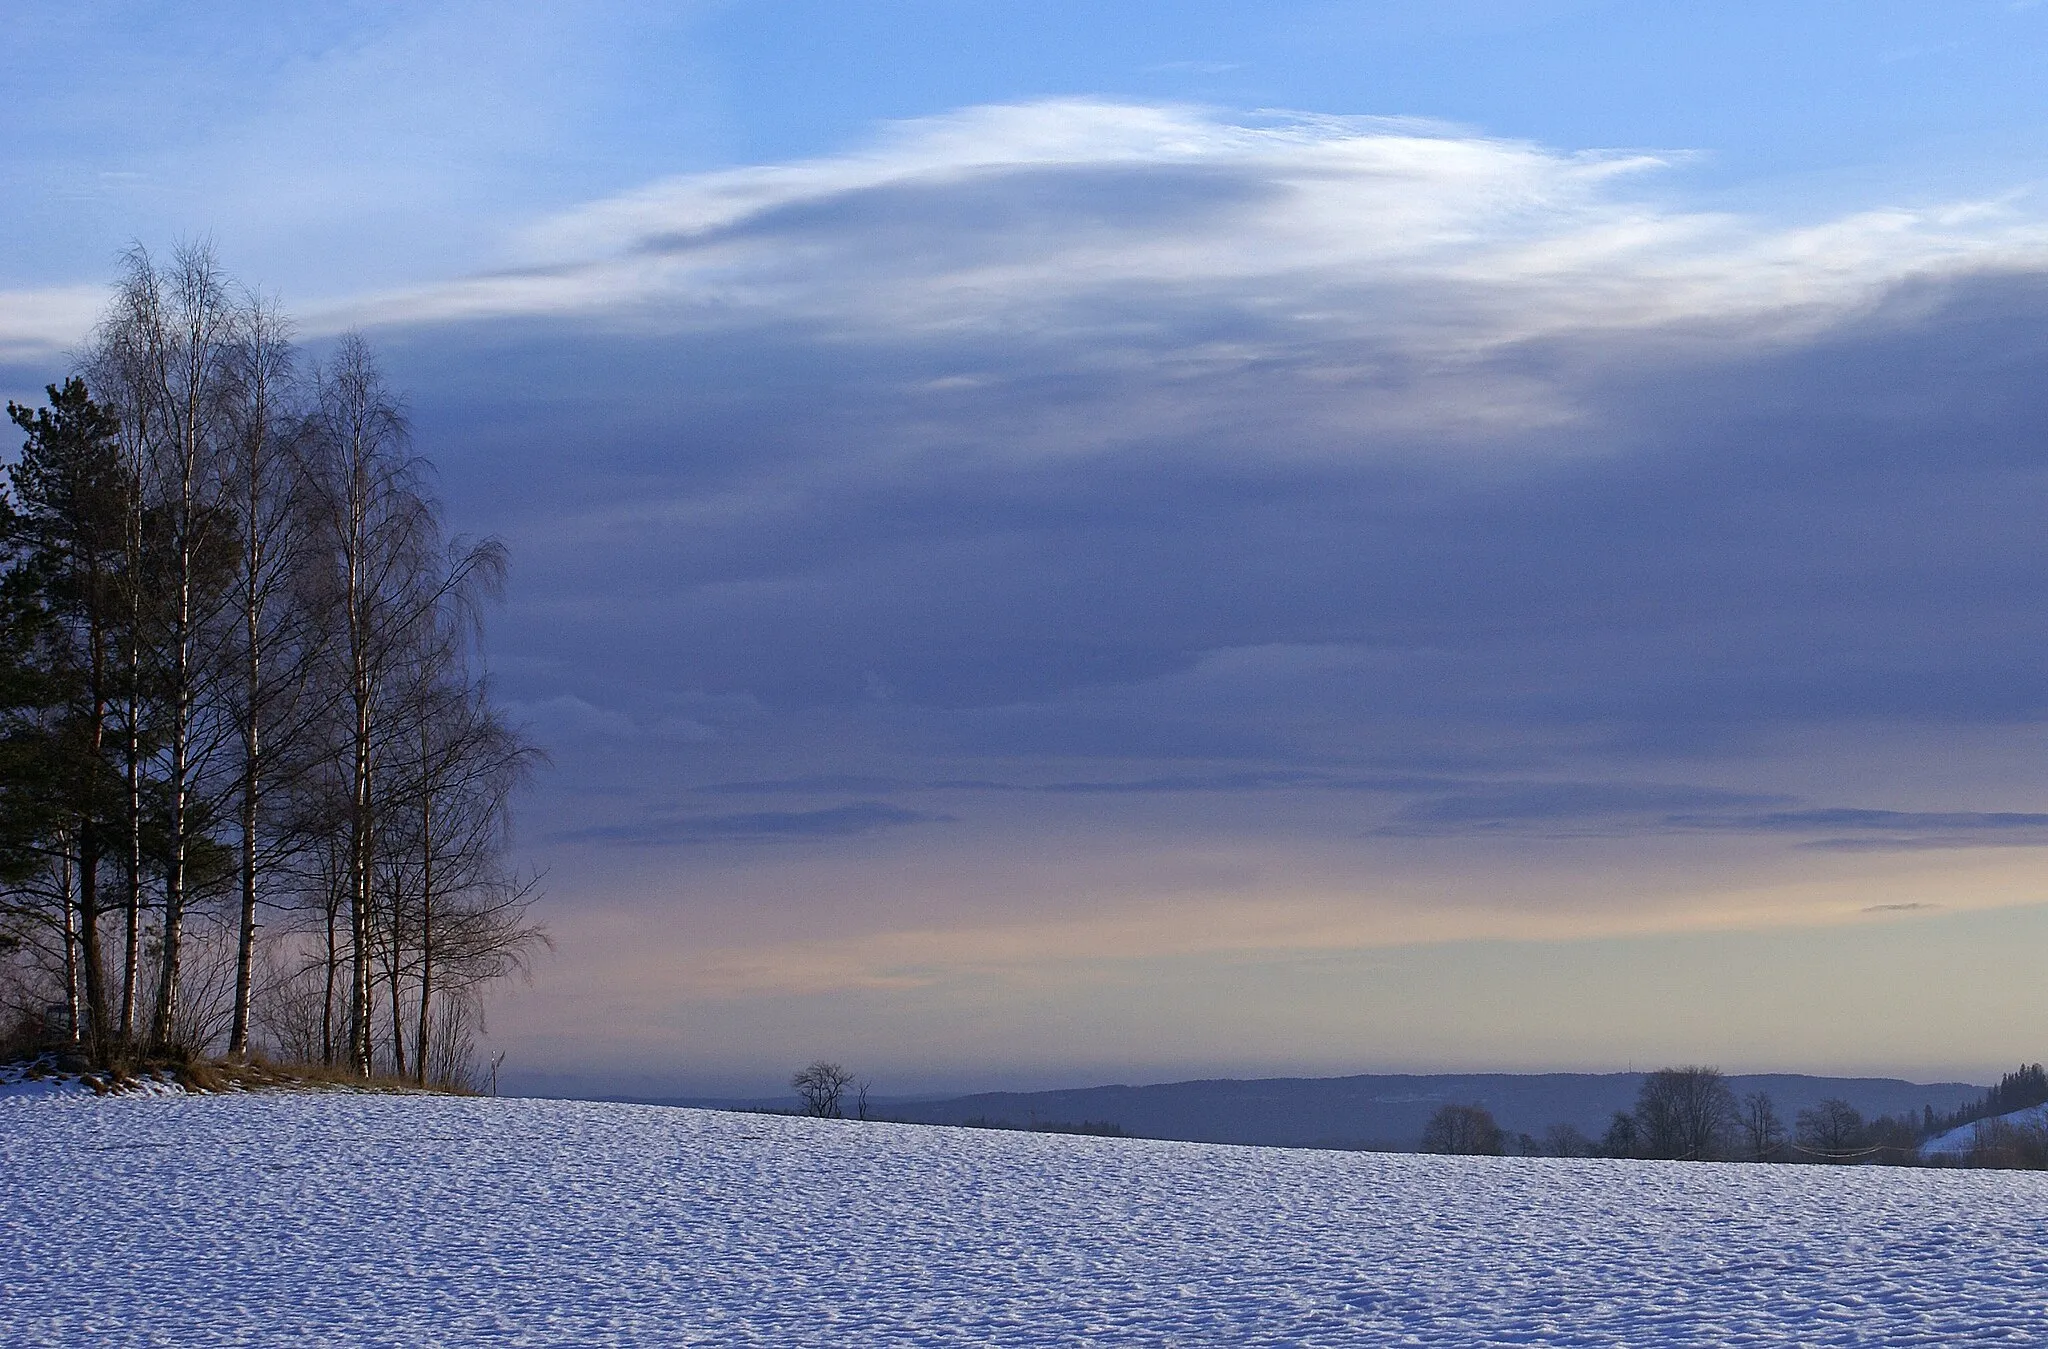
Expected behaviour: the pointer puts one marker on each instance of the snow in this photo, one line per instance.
(41, 1078)
(1957, 1142)
(275, 1218)
(19, 1081)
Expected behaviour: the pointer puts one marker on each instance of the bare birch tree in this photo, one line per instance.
(380, 531)
(166, 356)
(278, 637)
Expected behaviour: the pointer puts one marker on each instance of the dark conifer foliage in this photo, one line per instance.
(2025, 1086)
(247, 743)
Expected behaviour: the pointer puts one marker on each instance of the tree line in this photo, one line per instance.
(1692, 1114)
(253, 781)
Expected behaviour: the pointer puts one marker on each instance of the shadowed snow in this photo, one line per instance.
(319, 1219)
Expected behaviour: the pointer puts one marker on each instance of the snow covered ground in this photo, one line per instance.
(44, 1078)
(318, 1218)
(1957, 1142)
(22, 1080)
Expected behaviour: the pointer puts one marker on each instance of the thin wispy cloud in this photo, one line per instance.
(852, 820)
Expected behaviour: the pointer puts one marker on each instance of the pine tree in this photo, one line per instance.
(64, 605)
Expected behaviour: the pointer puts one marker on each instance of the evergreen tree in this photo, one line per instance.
(64, 604)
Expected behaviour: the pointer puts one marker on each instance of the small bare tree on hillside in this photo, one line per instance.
(1763, 1133)
(820, 1087)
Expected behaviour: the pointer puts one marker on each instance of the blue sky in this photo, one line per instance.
(1066, 542)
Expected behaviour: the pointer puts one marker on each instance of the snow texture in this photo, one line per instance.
(321, 1218)
(1958, 1142)
(21, 1081)
(40, 1078)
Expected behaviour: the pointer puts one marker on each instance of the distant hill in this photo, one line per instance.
(1389, 1110)
(1960, 1140)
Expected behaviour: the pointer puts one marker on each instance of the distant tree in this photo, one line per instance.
(1763, 1133)
(820, 1087)
(1463, 1130)
(1830, 1130)
(1622, 1138)
(1685, 1114)
(1564, 1140)
(1896, 1139)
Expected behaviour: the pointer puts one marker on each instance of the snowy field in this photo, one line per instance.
(317, 1219)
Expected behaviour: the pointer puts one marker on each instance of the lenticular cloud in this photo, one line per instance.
(1104, 221)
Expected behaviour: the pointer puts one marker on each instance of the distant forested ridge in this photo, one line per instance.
(254, 789)
(1391, 1111)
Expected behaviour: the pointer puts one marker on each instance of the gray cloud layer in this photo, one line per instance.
(1129, 453)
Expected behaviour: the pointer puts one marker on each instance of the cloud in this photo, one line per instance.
(570, 716)
(848, 821)
(1565, 809)
(1261, 487)
(1128, 224)
(1838, 534)
(41, 325)
(1555, 802)
(1889, 830)
(1996, 821)
(1227, 781)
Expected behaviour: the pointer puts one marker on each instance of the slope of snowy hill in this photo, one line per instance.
(320, 1219)
(1956, 1142)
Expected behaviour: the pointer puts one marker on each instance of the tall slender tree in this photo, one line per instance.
(68, 530)
(382, 535)
(277, 639)
(173, 340)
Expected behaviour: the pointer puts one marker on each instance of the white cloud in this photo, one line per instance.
(1106, 220)
(39, 325)
(1376, 267)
